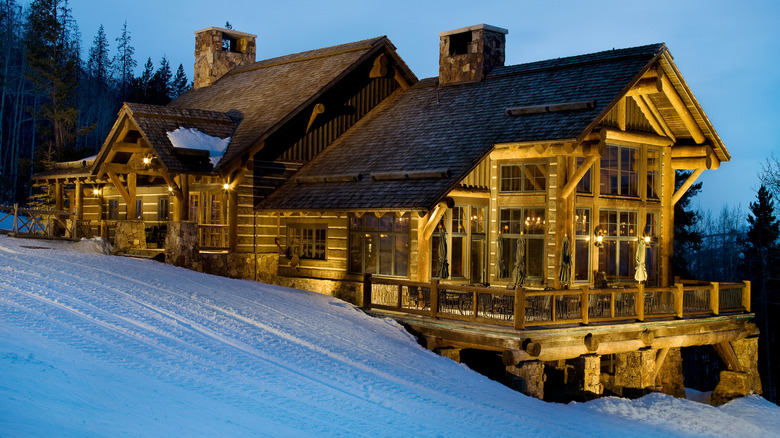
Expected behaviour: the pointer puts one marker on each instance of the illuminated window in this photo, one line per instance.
(525, 177)
(618, 251)
(113, 209)
(619, 171)
(379, 245)
(163, 209)
(528, 224)
(582, 244)
(307, 241)
(139, 209)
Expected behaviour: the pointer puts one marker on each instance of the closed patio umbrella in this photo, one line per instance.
(443, 270)
(518, 275)
(565, 274)
(500, 255)
(641, 270)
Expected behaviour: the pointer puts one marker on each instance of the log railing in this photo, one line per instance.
(521, 308)
(36, 222)
(213, 236)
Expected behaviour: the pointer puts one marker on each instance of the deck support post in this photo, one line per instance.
(588, 371)
(527, 377)
(740, 381)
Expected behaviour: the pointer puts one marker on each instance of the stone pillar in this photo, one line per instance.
(588, 371)
(449, 352)
(181, 245)
(129, 235)
(635, 373)
(527, 377)
(735, 384)
(669, 377)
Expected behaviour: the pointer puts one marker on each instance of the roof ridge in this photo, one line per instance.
(294, 57)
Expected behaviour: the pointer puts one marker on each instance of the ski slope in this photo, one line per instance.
(96, 345)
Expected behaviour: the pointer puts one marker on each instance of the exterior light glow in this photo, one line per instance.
(147, 160)
(95, 191)
(647, 239)
(226, 186)
(170, 189)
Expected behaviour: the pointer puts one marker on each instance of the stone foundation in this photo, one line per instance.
(634, 373)
(670, 376)
(451, 353)
(181, 246)
(527, 377)
(130, 235)
(734, 384)
(588, 373)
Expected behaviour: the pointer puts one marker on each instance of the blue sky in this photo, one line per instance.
(727, 51)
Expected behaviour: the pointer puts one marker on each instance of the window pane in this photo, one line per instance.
(459, 220)
(356, 253)
(402, 223)
(582, 222)
(608, 258)
(534, 257)
(477, 220)
(584, 186)
(609, 172)
(402, 255)
(386, 223)
(627, 258)
(355, 223)
(534, 177)
(386, 254)
(371, 222)
(371, 253)
(653, 172)
(458, 257)
(534, 221)
(510, 245)
(510, 178)
(581, 260)
(476, 265)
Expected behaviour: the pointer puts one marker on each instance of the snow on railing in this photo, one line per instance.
(34, 221)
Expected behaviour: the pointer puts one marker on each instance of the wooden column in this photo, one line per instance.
(666, 235)
(78, 206)
(423, 250)
(58, 203)
(232, 219)
(131, 182)
(183, 207)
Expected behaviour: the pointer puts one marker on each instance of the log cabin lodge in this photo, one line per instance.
(523, 210)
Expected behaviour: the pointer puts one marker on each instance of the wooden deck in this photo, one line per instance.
(554, 325)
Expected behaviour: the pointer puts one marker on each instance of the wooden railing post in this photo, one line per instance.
(640, 302)
(585, 304)
(366, 291)
(746, 296)
(678, 300)
(519, 308)
(612, 305)
(16, 218)
(434, 298)
(474, 297)
(715, 298)
(400, 299)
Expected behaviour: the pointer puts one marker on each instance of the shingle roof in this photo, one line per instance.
(453, 127)
(156, 122)
(268, 92)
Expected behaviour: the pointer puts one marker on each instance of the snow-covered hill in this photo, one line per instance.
(94, 345)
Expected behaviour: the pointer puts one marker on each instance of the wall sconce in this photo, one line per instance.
(226, 186)
(147, 160)
(599, 236)
(96, 191)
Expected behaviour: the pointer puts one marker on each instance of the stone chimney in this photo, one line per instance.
(468, 54)
(218, 50)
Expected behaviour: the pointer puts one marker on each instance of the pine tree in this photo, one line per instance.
(160, 85)
(179, 83)
(762, 255)
(687, 239)
(98, 64)
(53, 59)
(124, 63)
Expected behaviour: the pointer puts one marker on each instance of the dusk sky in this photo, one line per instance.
(727, 51)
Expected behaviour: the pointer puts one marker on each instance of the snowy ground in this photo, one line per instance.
(94, 345)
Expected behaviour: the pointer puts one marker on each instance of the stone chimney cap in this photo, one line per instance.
(230, 32)
(475, 27)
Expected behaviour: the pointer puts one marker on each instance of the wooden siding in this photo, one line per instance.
(635, 120)
(479, 178)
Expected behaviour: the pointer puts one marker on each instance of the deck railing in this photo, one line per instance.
(213, 236)
(37, 222)
(521, 308)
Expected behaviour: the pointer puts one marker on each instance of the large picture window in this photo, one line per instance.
(618, 250)
(379, 245)
(620, 171)
(307, 241)
(524, 177)
(528, 224)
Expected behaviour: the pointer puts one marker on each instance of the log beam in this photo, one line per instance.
(658, 117)
(729, 356)
(651, 118)
(131, 207)
(621, 113)
(119, 186)
(436, 215)
(637, 137)
(692, 163)
(568, 189)
(686, 185)
(650, 85)
(682, 110)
